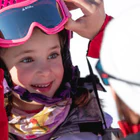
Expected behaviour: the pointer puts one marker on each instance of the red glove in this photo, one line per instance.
(3, 116)
(128, 129)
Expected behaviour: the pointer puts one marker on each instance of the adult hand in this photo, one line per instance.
(91, 22)
(70, 5)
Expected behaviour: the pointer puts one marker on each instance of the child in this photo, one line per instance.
(42, 98)
(120, 61)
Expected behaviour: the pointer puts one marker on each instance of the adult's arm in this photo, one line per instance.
(95, 44)
(92, 20)
(91, 25)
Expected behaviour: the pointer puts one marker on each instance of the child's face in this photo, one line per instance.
(37, 64)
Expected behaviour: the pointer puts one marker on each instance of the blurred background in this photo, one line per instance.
(79, 47)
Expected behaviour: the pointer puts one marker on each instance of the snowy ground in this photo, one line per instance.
(79, 49)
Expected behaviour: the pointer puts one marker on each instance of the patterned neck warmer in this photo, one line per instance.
(27, 96)
(34, 125)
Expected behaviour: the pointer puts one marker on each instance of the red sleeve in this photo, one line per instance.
(3, 117)
(95, 44)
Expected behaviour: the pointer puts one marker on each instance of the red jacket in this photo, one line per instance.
(95, 44)
(3, 117)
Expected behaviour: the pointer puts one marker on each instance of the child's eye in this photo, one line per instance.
(27, 60)
(53, 56)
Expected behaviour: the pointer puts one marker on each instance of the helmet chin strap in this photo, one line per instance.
(40, 98)
(25, 95)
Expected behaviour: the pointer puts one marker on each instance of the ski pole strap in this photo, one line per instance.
(95, 91)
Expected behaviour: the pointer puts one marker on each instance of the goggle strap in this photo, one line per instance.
(62, 3)
(105, 75)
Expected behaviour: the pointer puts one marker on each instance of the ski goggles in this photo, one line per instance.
(17, 21)
(104, 76)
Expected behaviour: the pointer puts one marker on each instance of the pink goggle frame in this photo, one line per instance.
(9, 11)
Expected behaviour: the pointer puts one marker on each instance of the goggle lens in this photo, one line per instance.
(15, 23)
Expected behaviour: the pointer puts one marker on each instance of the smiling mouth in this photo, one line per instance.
(41, 85)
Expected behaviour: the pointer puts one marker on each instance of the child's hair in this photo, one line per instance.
(79, 95)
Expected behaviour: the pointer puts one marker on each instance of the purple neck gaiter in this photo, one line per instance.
(27, 96)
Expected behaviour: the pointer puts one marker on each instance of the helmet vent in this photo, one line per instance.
(8, 3)
(5, 3)
(14, 1)
(2, 2)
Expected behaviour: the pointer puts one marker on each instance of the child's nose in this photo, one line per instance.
(43, 69)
